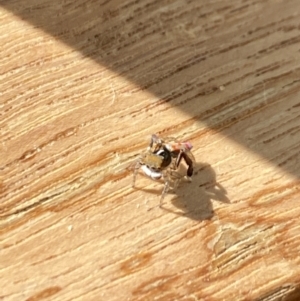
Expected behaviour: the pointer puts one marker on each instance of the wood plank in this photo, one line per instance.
(84, 84)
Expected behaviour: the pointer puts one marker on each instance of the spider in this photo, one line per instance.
(161, 161)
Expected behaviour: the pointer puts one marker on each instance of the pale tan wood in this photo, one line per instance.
(83, 86)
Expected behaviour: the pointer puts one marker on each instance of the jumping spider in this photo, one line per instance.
(161, 161)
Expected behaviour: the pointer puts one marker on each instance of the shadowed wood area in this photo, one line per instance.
(84, 84)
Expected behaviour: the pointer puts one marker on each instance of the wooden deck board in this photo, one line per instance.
(84, 84)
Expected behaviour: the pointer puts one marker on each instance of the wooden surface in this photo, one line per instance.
(83, 86)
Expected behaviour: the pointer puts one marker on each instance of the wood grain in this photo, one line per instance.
(83, 86)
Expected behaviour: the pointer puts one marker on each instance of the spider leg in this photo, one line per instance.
(179, 158)
(189, 163)
(135, 172)
(165, 190)
(154, 139)
(176, 179)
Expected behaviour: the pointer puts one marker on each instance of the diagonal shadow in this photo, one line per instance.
(220, 62)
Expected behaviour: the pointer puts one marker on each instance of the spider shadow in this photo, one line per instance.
(194, 200)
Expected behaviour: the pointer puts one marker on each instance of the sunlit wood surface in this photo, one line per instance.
(84, 84)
